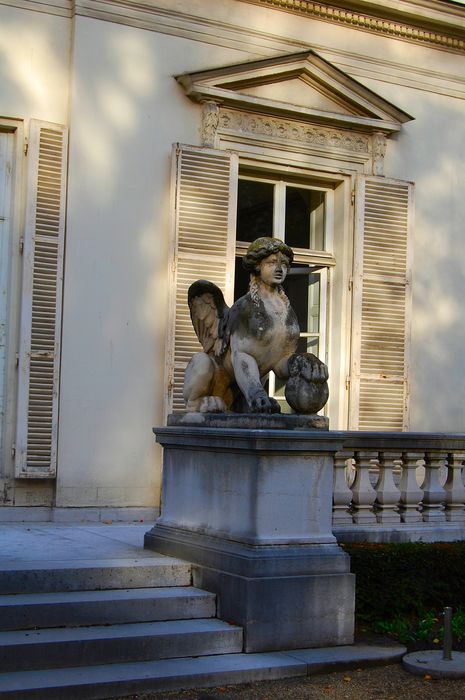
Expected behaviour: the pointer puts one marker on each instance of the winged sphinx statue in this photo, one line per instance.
(243, 343)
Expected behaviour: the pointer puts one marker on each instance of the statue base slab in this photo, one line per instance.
(271, 421)
(251, 508)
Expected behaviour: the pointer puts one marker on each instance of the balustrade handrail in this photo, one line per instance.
(399, 486)
(366, 440)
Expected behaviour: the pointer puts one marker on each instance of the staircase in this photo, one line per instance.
(125, 626)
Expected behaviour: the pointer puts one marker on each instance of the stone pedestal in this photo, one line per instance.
(252, 508)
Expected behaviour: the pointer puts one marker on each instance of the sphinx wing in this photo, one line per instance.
(209, 314)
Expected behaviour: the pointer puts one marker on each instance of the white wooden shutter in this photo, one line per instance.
(39, 355)
(381, 304)
(205, 194)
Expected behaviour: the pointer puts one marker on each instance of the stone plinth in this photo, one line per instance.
(252, 509)
(271, 421)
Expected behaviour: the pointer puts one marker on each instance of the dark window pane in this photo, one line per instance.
(309, 345)
(304, 218)
(254, 210)
(296, 288)
(303, 291)
(241, 280)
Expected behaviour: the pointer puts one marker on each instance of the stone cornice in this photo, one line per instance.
(429, 22)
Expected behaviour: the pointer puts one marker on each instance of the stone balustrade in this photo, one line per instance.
(399, 487)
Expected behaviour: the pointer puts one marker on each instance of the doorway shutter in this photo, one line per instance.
(205, 201)
(40, 333)
(381, 304)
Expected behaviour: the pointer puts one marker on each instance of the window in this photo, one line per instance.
(346, 230)
(300, 215)
(311, 150)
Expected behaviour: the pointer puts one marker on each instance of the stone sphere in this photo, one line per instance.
(306, 390)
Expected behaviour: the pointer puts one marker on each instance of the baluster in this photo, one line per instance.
(363, 493)
(454, 488)
(433, 493)
(387, 493)
(410, 492)
(342, 495)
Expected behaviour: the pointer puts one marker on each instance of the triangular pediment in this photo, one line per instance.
(298, 92)
(302, 85)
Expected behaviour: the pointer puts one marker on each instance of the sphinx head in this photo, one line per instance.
(263, 248)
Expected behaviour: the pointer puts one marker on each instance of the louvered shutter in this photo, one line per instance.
(381, 304)
(39, 355)
(205, 193)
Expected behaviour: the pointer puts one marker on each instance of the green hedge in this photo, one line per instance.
(408, 579)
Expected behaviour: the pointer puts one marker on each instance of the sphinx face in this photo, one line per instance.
(273, 269)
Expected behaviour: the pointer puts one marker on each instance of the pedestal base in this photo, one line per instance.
(284, 597)
(251, 509)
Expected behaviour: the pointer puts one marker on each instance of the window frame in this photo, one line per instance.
(318, 260)
(339, 306)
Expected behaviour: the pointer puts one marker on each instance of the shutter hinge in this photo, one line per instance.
(347, 383)
(17, 359)
(352, 197)
(25, 145)
(21, 245)
(13, 450)
(350, 283)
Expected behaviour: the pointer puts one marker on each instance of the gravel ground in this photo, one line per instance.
(380, 683)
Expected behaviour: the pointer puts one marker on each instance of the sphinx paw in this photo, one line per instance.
(260, 402)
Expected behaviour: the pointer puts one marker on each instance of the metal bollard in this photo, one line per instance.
(447, 650)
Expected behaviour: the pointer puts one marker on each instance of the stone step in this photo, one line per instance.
(116, 680)
(57, 576)
(85, 646)
(80, 608)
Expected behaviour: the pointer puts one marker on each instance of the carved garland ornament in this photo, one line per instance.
(275, 128)
(209, 125)
(379, 144)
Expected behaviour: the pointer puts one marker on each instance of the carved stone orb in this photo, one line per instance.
(307, 387)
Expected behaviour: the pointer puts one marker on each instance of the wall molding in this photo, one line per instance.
(387, 71)
(146, 15)
(62, 8)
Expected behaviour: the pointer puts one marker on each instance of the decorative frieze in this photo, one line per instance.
(276, 129)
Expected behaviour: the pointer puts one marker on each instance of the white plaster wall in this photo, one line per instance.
(126, 111)
(34, 79)
(34, 64)
(431, 152)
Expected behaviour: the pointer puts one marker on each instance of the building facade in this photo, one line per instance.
(144, 144)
